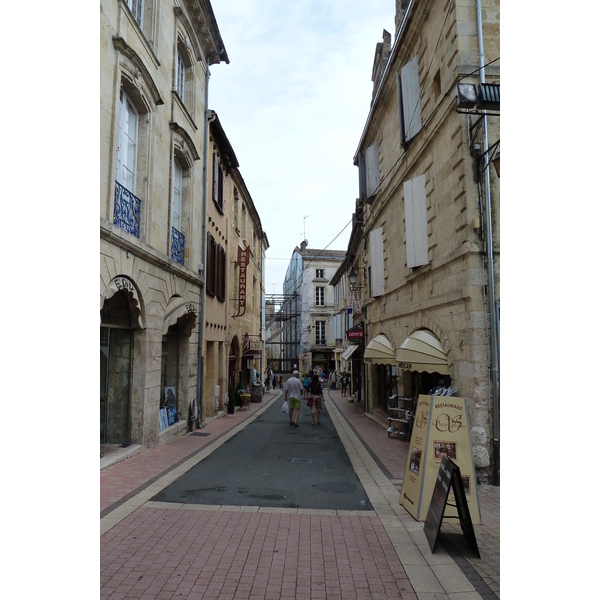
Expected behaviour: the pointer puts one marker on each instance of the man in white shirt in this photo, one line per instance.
(293, 394)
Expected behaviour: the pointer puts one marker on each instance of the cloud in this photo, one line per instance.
(293, 102)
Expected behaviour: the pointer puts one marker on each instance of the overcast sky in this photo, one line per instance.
(293, 103)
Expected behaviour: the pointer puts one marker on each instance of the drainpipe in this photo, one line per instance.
(494, 359)
(209, 116)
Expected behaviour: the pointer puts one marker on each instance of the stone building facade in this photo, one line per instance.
(419, 247)
(309, 336)
(156, 168)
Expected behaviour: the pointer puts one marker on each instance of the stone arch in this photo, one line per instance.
(122, 283)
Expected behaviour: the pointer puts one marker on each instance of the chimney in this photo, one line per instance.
(400, 12)
(382, 55)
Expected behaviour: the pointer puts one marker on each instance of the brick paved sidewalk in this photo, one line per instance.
(152, 550)
(390, 453)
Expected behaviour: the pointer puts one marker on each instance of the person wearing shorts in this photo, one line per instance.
(294, 390)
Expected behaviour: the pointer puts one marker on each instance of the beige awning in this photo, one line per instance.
(348, 351)
(379, 351)
(422, 351)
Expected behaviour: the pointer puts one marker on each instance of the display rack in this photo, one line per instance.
(401, 416)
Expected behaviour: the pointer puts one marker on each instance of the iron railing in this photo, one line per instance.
(127, 210)
(177, 245)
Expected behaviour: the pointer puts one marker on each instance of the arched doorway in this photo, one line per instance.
(116, 349)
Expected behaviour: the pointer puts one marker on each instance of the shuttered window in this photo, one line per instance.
(410, 100)
(220, 269)
(415, 212)
(376, 258)
(368, 173)
(211, 273)
(217, 182)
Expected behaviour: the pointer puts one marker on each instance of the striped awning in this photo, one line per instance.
(422, 352)
(379, 351)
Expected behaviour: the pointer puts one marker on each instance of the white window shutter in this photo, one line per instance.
(411, 98)
(376, 257)
(415, 212)
(372, 168)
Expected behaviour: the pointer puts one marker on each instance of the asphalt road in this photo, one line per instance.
(271, 464)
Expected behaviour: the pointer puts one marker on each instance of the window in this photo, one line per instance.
(236, 208)
(177, 193)
(218, 183)
(211, 274)
(320, 333)
(180, 77)
(368, 173)
(177, 237)
(127, 143)
(415, 217)
(320, 273)
(409, 100)
(215, 268)
(137, 10)
(320, 296)
(376, 259)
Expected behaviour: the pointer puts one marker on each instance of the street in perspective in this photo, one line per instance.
(249, 507)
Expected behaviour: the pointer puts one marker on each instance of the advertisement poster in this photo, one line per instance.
(440, 430)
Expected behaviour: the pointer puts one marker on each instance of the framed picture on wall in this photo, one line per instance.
(170, 396)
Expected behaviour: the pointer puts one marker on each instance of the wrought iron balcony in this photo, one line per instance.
(127, 210)
(177, 245)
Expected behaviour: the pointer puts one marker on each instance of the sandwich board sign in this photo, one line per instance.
(440, 429)
(448, 478)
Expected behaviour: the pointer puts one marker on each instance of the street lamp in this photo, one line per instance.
(352, 275)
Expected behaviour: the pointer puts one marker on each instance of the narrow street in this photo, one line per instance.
(252, 508)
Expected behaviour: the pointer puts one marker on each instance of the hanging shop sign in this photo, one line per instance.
(448, 478)
(356, 334)
(440, 429)
(353, 302)
(243, 261)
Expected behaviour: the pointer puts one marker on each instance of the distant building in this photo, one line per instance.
(308, 337)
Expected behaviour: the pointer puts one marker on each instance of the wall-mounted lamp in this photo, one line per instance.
(352, 275)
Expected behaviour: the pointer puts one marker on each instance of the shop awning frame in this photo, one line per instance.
(379, 351)
(423, 352)
(349, 351)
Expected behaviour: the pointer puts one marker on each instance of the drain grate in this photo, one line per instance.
(199, 434)
(302, 460)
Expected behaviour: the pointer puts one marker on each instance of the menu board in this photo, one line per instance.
(440, 429)
(448, 478)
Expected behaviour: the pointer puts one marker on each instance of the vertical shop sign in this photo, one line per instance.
(243, 260)
(353, 302)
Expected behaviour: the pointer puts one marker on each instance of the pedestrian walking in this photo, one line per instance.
(274, 380)
(293, 394)
(344, 382)
(316, 392)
